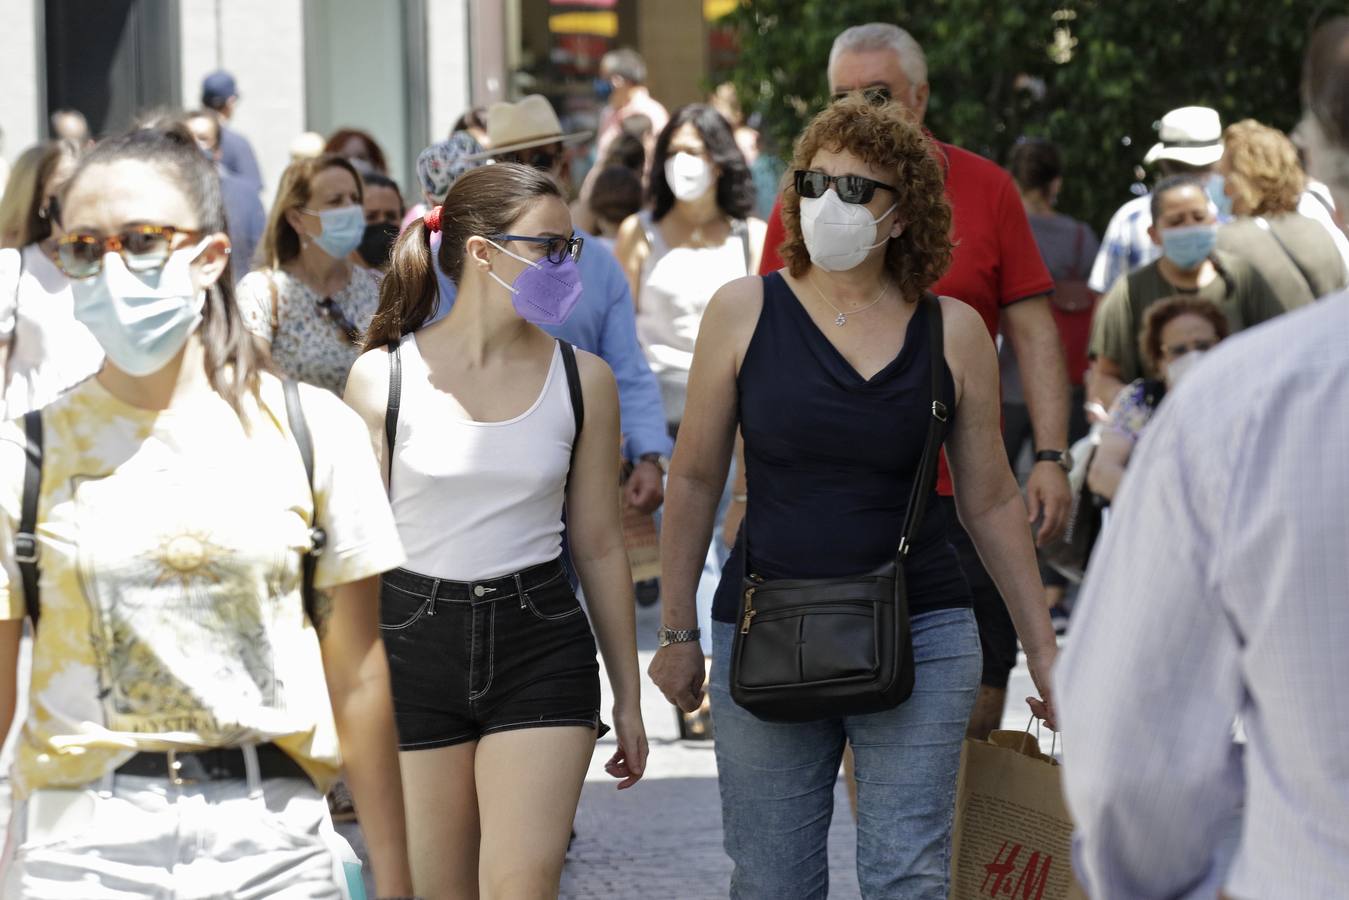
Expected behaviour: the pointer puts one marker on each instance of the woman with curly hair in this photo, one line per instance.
(1262, 185)
(827, 368)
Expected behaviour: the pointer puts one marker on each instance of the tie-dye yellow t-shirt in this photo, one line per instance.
(170, 546)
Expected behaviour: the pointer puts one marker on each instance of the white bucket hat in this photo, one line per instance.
(1192, 135)
(519, 126)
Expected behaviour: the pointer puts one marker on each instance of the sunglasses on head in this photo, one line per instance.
(557, 248)
(876, 94)
(850, 188)
(143, 248)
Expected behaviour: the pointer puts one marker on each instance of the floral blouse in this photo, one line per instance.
(308, 338)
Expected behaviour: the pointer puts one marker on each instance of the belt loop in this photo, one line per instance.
(175, 772)
(520, 589)
(252, 770)
(431, 603)
(105, 783)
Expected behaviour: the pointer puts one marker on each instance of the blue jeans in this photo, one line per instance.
(777, 780)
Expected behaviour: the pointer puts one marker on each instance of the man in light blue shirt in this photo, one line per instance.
(603, 323)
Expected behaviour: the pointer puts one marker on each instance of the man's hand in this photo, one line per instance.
(1049, 494)
(679, 670)
(644, 491)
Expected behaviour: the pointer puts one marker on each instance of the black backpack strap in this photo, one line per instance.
(926, 478)
(299, 429)
(395, 401)
(578, 407)
(25, 541)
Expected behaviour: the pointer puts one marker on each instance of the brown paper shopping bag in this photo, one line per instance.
(643, 544)
(1012, 835)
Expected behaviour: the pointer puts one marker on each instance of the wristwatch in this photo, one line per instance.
(1064, 458)
(661, 462)
(667, 636)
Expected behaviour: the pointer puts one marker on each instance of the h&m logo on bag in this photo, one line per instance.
(1002, 878)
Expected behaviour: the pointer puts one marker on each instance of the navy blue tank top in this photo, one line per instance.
(830, 459)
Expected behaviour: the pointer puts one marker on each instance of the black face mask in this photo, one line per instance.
(377, 243)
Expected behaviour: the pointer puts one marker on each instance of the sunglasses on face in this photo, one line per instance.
(543, 158)
(333, 313)
(876, 94)
(1176, 351)
(557, 248)
(850, 188)
(143, 248)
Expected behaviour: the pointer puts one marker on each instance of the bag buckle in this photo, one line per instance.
(25, 547)
(939, 411)
(904, 546)
(318, 540)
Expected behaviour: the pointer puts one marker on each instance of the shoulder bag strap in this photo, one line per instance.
(299, 429)
(395, 402)
(1077, 253)
(926, 478)
(740, 228)
(1269, 230)
(578, 407)
(276, 302)
(25, 541)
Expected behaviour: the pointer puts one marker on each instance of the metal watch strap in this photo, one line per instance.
(668, 636)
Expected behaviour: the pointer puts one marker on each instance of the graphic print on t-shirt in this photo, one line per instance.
(179, 636)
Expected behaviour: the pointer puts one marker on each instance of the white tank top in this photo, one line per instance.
(677, 284)
(478, 500)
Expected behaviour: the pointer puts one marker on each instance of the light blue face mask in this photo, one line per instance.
(1189, 245)
(1214, 188)
(343, 229)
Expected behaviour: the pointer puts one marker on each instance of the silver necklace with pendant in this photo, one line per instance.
(842, 318)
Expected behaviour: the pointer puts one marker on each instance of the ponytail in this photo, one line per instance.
(408, 294)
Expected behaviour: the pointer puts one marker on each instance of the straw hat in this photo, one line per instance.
(1192, 135)
(519, 126)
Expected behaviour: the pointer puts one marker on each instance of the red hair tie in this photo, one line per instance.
(432, 219)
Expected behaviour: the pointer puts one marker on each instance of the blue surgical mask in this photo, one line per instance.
(603, 88)
(1189, 245)
(1219, 197)
(343, 229)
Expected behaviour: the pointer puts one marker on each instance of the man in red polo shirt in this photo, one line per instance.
(996, 268)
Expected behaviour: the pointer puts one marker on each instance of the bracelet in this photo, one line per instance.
(740, 498)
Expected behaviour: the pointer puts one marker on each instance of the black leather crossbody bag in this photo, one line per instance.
(817, 648)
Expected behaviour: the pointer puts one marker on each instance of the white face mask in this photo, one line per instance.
(1179, 368)
(839, 235)
(688, 176)
(141, 319)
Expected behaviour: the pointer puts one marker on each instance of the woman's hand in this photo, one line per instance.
(679, 670)
(1041, 665)
(629, 760)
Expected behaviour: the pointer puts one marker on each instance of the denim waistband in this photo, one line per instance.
(503, 588)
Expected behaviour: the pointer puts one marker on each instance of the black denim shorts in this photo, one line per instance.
(471, 658)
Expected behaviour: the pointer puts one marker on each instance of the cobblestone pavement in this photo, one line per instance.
(661, 840)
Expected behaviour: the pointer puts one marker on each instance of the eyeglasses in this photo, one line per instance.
(558, 248)
(143, 248)
(876, 94)
(333, 313)
(1175, 351)
(850, 188)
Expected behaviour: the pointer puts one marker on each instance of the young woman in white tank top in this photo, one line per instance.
(487, 427)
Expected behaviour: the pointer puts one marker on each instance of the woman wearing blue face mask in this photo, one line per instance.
(487, 427)
(1185, 226)
(196, 662)
(309, 302)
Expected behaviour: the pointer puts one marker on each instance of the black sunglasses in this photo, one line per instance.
(558, 248)
(850, 188)
(876, 94)
(333, 313)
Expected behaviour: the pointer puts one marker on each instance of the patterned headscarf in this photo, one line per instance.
(444, 161)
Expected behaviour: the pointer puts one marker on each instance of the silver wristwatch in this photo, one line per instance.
(668, 636)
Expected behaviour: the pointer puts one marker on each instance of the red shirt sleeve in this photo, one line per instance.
(771, 260)
(1021, 270)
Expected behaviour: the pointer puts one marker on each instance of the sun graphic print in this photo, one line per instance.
(189, 555)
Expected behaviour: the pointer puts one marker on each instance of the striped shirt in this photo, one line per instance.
(1220, 591)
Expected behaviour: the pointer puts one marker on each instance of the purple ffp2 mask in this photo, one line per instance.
(545, 292)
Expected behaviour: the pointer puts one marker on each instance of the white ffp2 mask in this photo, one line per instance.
(839, 235)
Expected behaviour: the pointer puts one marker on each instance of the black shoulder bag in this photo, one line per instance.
(809, 649)
(25, 540)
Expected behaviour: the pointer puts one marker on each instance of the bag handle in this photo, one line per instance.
(25, 541)
(926, 478)
(318, 538)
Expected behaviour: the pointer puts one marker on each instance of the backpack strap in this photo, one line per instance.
(395, 403)
(25, 541)
(299, 429)
(578, 409)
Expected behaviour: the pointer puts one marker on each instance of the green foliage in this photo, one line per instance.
(1092, 75)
